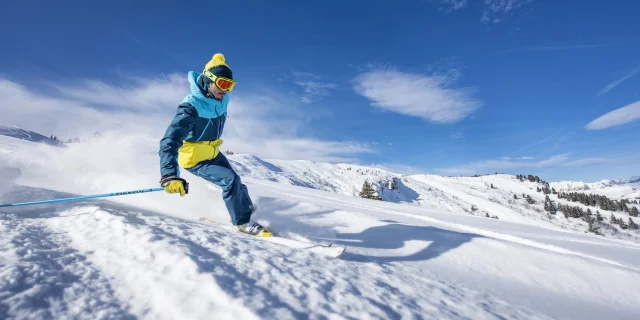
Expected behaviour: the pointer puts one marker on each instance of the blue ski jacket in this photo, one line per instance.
(198, 119)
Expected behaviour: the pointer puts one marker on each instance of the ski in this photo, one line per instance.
(330, 250)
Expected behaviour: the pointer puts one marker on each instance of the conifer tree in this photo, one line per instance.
(599, 217)
(633, 212)
(591, 228)
(529, 200)
(633, 225)
(368, 192)
(622, 224)
(553, 190)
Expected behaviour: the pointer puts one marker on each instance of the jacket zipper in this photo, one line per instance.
(204, 130)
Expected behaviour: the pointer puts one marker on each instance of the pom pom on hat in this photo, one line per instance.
(218, 66)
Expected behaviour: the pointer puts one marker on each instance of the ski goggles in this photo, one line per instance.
(224, 84)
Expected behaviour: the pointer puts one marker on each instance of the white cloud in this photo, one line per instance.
(624, 115)
(146, 107)
(66, 116)
(495, 11)
(456, 135)
(568, 45)
(452, 5)
(588, 162)
(553, 161)
(617, 82)
(399, 168)
(154, 94)
(507, 163)
(427, 97)
(313, 88)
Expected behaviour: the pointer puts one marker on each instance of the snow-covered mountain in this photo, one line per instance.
(453, 194)
(416, 255)
(616, 189)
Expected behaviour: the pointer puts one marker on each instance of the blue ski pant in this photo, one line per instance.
(235, 194)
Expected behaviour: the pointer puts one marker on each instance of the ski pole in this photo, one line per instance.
(104, 195)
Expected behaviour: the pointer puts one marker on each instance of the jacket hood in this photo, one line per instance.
(206, 107)
(195, 88)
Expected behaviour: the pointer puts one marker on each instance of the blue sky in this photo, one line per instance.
(444, 86)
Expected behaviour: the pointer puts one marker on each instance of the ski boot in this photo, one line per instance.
(254, 229)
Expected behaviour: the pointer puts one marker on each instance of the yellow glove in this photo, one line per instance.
(173, 184)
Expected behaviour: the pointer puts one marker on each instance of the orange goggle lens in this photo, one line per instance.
(225, 84)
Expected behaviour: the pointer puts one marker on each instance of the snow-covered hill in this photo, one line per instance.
(146, 256)
(453, 194)
(27, 135)
(615, 189)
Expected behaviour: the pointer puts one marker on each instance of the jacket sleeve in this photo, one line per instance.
(177, 131)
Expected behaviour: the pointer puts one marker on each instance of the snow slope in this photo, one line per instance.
(27, 135)
(454, 194)
(146, 256)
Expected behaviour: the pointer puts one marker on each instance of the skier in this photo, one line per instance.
(192, 141)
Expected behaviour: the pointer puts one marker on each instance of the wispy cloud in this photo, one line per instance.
(588, 162)
(452, 5)
(568, 45)
(145, 107)
(493, 11)
(400, 168)
(456, 135)
(313, 88)
(518, 158)
(624, 115)
(431, 97)
(496, 11)
(554, 160)
(507, 163)
(617, 82)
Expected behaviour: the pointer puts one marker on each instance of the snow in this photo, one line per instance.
(453, 194)
(614, 189)
(420, 254)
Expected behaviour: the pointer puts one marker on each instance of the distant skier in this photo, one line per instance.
(192, 142)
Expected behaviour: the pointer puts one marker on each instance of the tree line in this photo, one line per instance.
(604, 203)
